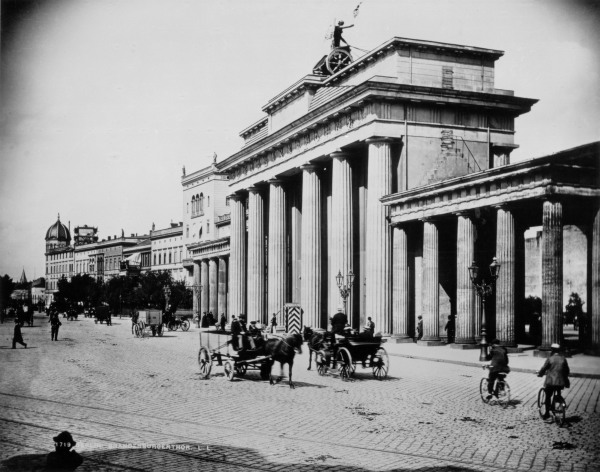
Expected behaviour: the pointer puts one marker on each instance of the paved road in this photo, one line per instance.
(120, 395)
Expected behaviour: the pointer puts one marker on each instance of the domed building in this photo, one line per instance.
(57, 236)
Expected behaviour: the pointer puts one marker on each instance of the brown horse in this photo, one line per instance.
(316, 342)
(283, 350)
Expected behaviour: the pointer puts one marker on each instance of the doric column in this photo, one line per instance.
(296, 242)
(505, 285)
(552, 273)
(400, 287)
(593, 311)
(311, 247)
(341, 223)
(197, 281)
(378, 261)
(465, 293)
(205, 286)
(237, 257)
(256, 256)
(277, 250)
(222, 288)
(430, 284)
(212, 282)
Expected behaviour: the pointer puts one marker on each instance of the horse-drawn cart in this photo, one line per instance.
(217, 345)
(102, 314)
(148, 321)
(346, 352)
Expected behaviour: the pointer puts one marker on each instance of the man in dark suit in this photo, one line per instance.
(339, 321)
(556, 370)
(498, 365)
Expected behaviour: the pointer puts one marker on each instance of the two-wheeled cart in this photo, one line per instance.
(218, 346)
(148, 321)
(351, 351)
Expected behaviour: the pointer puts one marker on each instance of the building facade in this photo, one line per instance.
(397, 168)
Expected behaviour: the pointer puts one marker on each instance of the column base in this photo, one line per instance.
(465, 346)
(400, 339)
(431, 343)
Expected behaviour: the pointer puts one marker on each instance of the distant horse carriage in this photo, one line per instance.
(146, 322)
(246, 352)
(102, 314)
(345, 353)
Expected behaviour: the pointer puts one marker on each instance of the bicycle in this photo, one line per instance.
(558, 406)
(501, 389)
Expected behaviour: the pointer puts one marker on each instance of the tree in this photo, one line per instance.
(6, 288)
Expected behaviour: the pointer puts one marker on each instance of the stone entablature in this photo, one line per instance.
(572, 172)
(210, 249)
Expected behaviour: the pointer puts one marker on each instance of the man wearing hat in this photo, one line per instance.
(556, 370)
(339, 321)
(63, 458)
(498, 365)
(18, 336)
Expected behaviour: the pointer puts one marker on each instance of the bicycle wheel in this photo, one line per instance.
(541, 402)
(204, 362)
(559, 408)
(483, 390)
(185, 325)
(503, 393)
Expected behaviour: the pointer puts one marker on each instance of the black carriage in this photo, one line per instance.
(102, 314)
(347, 352)
(236, 361)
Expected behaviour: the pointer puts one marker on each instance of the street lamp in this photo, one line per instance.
(344, 285)
(197, 288)
(167, 291)
(484, 288)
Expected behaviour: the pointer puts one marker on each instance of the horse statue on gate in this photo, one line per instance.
(283, 350)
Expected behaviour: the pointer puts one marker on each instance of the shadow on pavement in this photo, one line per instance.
(203, 456)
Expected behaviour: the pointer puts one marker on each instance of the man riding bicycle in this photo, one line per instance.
(498, 365)
(556, 370)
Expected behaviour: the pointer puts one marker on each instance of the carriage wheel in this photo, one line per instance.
(185, 325)
(240, 370)
(337, 60)
(380, 363)
(160, 329)
(170, 326)
(321, 361)
(136, 331)
(265, 370)
(344, 363)
(229, 370)
(205, 363)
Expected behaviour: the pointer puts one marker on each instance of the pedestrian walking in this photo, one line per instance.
(17, 336)
(223, 321)
(108, 318)
(420, 328)
(204, 321)
(450, 328)
(54, 325)
(274, 324)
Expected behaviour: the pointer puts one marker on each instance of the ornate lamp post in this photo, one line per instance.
(484, 287)
(344, 285)
(197, 288)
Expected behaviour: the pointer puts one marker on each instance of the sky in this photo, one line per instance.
(102, 102)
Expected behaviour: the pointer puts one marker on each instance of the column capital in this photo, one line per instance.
(276, 181)
(379, 139)
(339, 155)
(236, 196)
(429, 219)
(503, 206)
(254, 190)
(310, 167)
(465, 214)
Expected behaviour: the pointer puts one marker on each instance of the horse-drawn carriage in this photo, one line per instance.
(345, 353)
(102, 314)
(240, 353)
(148, 321)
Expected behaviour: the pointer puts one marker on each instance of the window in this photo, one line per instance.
(154, 259)
(207, 226)
(169, 257)
(187, 207)
(227, 201)
(208, 201)
(200, 233)
(201, 209)
(187, 231)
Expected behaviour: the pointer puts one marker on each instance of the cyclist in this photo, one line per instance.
(556, 370)
(498, 365)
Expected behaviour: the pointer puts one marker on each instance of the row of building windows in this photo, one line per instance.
(187, 230)
(162, 258)
(198, 204)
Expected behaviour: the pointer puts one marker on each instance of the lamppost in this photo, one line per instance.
(167, 291)
(345, 285)
(484, 288)
(197, 288)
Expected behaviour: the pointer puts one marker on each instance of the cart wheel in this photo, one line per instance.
(185, 325)
(265, 370)
(170, 326)
(321, 361)
(240, 370)
(205, 363)
(136, 331)
(344, 363)
(228, 369)
(503, 393)
(380, 362)
(541, 402)
(337, 60)
(160, 330)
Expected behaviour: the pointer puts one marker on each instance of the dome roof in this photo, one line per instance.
(58, 231)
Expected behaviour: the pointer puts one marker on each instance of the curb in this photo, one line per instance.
(474, 364)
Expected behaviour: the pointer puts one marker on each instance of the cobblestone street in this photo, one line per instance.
(118, 395)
